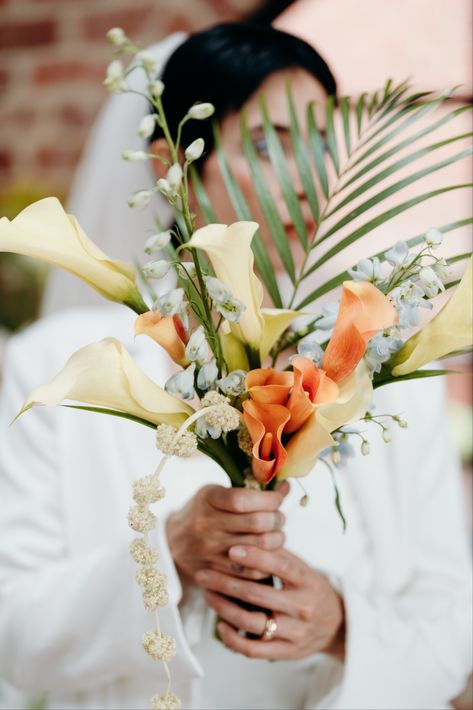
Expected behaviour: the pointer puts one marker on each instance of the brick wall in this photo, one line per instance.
(53, 54)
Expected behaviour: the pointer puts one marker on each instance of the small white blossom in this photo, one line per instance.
(407, 299)
(399, 255)
(117, 36)
(197, 349)
(147, 490)
(329, 316)
(115, 77)
(147, 125)
(251, 482)
(207, 376)
(182, 383)
(194, 150)
(161, 647)
(140, 198)
(218, 292)
(442, 269)
(309, 347)
(430, 282)
(165, 702)
(156, 269)
(336, 457)
(142, 553)
(433, 237)
(386, 436)
(201, 111)
(203, 430)
(367, 270)
(140, 519)
(184, 447)
(174, 176)
(156, 88)
(231, 309)
(189, 269)
(381, 347)
(148, 60)
(365, 447)
(134, 156)
(172, 302)
(233, 383)
(165, 188)
(158, 241)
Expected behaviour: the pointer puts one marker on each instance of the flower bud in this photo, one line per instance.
(115, 79)
(134, 156)
(171, 303)
(304, 501)
(156, 88)
(140, 198)
(403, 424)
(197, 349)
(433, 237)
(148, 60)
(218, 292)
(117, 36)
(201, 111)
(208, 373)
(156, 269)
(195, 150)
(182, 384)
(365, 447)
(336, 457)
(174, 176)
(165, 188)
(147, 125)
(386, 436)
(189, 267)
(158, 241)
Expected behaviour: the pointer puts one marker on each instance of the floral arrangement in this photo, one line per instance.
(262, 397)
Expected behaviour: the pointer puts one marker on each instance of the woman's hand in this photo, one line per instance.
(308, 612)
(201, 533)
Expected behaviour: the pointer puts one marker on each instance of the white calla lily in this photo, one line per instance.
(103, 374)
(44, 231)
(229, 251)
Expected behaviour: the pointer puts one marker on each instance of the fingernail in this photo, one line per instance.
(237, 551)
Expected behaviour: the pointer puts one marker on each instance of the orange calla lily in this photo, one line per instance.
(364, 311)
(266, 423)
(312, 386)
(268, 386)
(169, 332)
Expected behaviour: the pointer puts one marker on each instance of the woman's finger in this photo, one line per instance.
(252, 523)
(266, 541)
(271, 650)
(223, 564)
(254, 622)
(280, 563)
(252, 592)
(243, 500)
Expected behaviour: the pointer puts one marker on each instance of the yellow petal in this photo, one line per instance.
(103, 374)
(229, 252)
(234, 351)
(450, 330)
(44, 231)
(276, 320)
(354, 399)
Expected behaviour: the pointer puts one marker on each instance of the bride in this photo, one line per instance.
(370, 619)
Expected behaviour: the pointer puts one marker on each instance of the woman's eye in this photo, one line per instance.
(261, 147)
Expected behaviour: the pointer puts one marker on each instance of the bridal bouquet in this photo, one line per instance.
(262, 396)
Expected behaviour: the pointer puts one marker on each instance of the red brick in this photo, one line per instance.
(27, 34)
(63, 71)
(132, 21)
(72, 115)
(6, 160)
(54, 157)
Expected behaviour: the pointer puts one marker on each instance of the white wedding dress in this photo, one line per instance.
(71, 615)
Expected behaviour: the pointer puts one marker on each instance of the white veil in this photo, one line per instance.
(103, 184)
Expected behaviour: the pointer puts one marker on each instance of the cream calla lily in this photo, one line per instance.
(229, 251)
(354, 398)
(44, 231)
(450, 330)
(103, 374)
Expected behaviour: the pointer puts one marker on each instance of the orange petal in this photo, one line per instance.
(311, 386)
(266, 424)
(269, 386)
(364, 311)
(169, 332)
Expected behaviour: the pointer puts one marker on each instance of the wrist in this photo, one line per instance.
(336, 646)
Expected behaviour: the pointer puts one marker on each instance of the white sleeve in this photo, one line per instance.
(409, 629)
(66, 623)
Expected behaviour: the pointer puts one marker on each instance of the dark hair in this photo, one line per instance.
(225, 65)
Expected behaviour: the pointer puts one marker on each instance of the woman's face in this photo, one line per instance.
(305, 89)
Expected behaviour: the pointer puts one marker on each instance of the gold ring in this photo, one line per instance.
(270, 629)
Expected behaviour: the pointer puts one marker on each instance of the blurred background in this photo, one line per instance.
(53, 55)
